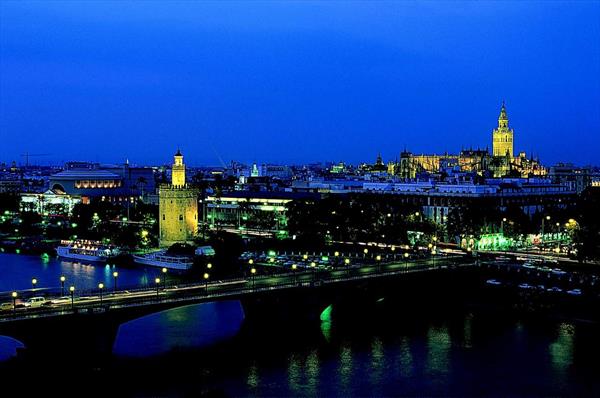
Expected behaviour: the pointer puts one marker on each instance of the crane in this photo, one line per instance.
(26, 155)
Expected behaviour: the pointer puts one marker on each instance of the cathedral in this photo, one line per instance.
(178, 207)
(500, 163)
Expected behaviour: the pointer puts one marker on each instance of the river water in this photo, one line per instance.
(209, 349)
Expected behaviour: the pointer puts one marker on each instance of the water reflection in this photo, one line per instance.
(377, 362)
(312, 373)
(405, 359)
(438, 351)
(345, 369)
(47, 271)
(561, 351)
(189, 327)
(8, 347)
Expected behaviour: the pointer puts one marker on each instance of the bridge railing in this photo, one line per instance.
(192, 292)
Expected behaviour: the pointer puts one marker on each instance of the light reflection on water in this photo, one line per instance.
(22, 268)
(190, 327)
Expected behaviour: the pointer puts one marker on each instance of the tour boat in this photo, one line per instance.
(163, 260)
(86, 250)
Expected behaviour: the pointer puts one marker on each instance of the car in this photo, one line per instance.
(35, 302)
(557, 271)
(528, 265)
(554, 289)
(575, 292)
(6, 306)
(493, 282)
(61, 300)
(525, 286)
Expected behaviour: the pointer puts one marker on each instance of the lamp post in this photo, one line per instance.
(347, 262)
(502, 225)
(206, 276)
(62, 285)
(294, 268)
(313, 266)
(157, 282)
(164, 272)
(33, 283)
(72, 291)
(101, 287)
(115, 276)
(547, 218)
(406, 255)
(365, 253)
(378, 258)
(253, 273)
(433, 253)
(14, 298)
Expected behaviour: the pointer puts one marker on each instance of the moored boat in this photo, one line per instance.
(86, 250)
(163, 260)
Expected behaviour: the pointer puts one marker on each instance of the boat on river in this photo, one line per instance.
(86, 250)
(161, 259)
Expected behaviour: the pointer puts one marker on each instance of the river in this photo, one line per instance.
(209, 349)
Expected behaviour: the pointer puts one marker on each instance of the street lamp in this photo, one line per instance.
(433, 253)
(14, 297)
(406, 255)
(365, 253)
(33, 283)
(101, 287)
(294, 268)
(347, 262)
(253, 272)
(72, 291)
(378, 258)
(206, 276)
(164, 272)
(115, 275)
(313, 265)
(250, 261)
(209, 265)
(62, 285)
(157, 281)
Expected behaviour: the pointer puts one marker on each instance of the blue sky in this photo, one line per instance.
(292, 82)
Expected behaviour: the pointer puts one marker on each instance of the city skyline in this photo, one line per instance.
(215, 81)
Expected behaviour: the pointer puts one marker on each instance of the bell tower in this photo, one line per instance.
(502, 136)
(178, 170)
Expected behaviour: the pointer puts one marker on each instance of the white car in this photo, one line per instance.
(554, 289)
(574, 292)
(557, 271)
(525, 286)
(493, 282)
(35, 302)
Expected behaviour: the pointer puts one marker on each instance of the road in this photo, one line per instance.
(227, 287)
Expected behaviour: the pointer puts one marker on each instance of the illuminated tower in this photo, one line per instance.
(503, 136)
(178, 207)
(178, 171)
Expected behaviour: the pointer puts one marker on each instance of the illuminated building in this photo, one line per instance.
(503, 136)
(251, 213)
(178, 207)
(49, 202)
(501, 162)
(113, 183)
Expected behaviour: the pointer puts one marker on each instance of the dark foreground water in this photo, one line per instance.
(461, 353)
(210, 350)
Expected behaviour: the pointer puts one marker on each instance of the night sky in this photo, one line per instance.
(295, 82)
